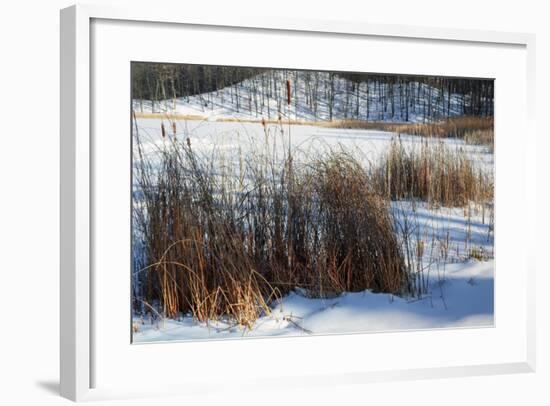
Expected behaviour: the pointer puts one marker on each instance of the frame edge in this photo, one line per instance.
(531, 331)
(74, 204)
(75, 361)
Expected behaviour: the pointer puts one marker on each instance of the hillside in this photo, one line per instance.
(322, 96)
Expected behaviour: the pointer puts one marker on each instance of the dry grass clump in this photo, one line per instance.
(340, 234)
(359, 248)
(433, 173)
(197, 254)
(477, 130)
(478, 253)
(223, 241)
(198, 259)
(166, 115)
(481, 137)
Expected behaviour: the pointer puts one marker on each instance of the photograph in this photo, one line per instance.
(273, 202)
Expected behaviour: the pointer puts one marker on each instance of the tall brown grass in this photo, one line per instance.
(198, 258)
(432, 172)
(223, 241)
(481, 137)
(476, 130)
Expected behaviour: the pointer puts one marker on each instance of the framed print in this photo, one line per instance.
(238, 209)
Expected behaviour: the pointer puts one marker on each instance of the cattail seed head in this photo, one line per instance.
(162, 130)
(288, 89)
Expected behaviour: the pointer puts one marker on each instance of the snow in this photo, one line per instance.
(230, 138)
(461, 231)
(463, 299)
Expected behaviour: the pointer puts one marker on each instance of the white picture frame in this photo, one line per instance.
(78, 351)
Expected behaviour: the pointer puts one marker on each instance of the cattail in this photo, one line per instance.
(174, 128)
(263, 121)
(288, 98)
(188, 142)
(162, 130)
(420, 249)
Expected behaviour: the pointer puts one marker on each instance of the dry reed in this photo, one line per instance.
(434, 173)
(223, 241)
(476, 130)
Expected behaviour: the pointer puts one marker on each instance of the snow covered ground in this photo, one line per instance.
(230, 138)
(463, 299)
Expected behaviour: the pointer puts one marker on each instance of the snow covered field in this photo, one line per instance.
(232, 138)
(456, 264)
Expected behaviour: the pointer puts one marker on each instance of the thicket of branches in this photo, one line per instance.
(155, 82)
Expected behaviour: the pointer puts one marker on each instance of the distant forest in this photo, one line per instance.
(155, 82)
